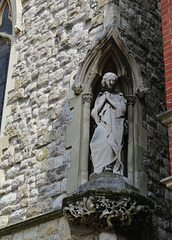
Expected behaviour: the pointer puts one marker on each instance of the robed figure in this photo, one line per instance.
(109, 115)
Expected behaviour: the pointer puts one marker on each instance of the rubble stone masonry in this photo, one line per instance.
(55, 38)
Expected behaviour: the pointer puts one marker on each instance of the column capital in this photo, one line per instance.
(87, 97)
(131, 100)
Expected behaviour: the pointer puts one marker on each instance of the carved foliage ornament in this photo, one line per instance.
(131, 100)
(3, 6)
(141, 92)
(87, 97)
(102, 212)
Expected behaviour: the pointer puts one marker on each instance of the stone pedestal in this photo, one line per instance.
(108, 202)
(107, 180)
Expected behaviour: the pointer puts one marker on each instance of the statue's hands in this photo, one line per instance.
(105, 96)
(108, 96)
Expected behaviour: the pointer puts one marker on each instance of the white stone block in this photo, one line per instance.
(3, 221)
(64, 229)
(2, 177)
(12, 172)
(108, 236)
(8, 199)
(58, 201)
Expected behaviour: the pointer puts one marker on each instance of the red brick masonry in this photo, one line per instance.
(166, 12)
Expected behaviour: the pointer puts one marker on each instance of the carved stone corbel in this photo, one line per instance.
(77, 89)
(141, 92)
(108, 201)
(100, 211)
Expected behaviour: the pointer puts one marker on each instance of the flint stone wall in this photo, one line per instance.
(55, 39)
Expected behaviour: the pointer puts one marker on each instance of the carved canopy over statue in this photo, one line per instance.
(109, 115)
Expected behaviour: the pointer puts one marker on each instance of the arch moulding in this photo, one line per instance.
(110, 45)
(15, 13)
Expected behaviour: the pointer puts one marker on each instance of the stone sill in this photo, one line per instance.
(168, 182)
(165, 117)
(16, 227)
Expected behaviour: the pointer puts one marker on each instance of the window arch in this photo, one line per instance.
(109, 54)
(10, 26)
(5, 45)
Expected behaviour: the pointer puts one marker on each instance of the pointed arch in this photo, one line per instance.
(109, 46)
(16, 6)
(15, 16)
(3, 5)
(15, 13)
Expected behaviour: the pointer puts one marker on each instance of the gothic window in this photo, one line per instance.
(5, 42)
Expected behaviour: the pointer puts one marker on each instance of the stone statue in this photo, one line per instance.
(109, 115)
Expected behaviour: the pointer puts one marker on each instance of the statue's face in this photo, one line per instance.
(109, 80)
(110, 83)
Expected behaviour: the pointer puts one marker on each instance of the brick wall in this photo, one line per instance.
(166, 10)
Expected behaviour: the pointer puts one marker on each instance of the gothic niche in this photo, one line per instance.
(109, 55)
(106, 162)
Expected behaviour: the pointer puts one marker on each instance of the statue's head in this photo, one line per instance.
(109, 81)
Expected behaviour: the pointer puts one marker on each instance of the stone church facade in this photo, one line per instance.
(53, 55)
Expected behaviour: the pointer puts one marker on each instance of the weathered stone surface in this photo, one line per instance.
(119, 209)
(29, 234)
(64, 229)
(2, 177)
(12, 172)
(57, 173)
(50, 190)
(106, 180)
(44, 231)
(17, 216)
(3, 221)
(10, 209)
(58, 201)
(23, 191)
(9, 198)
(108, 236)
(56, 37)
(33, 210)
